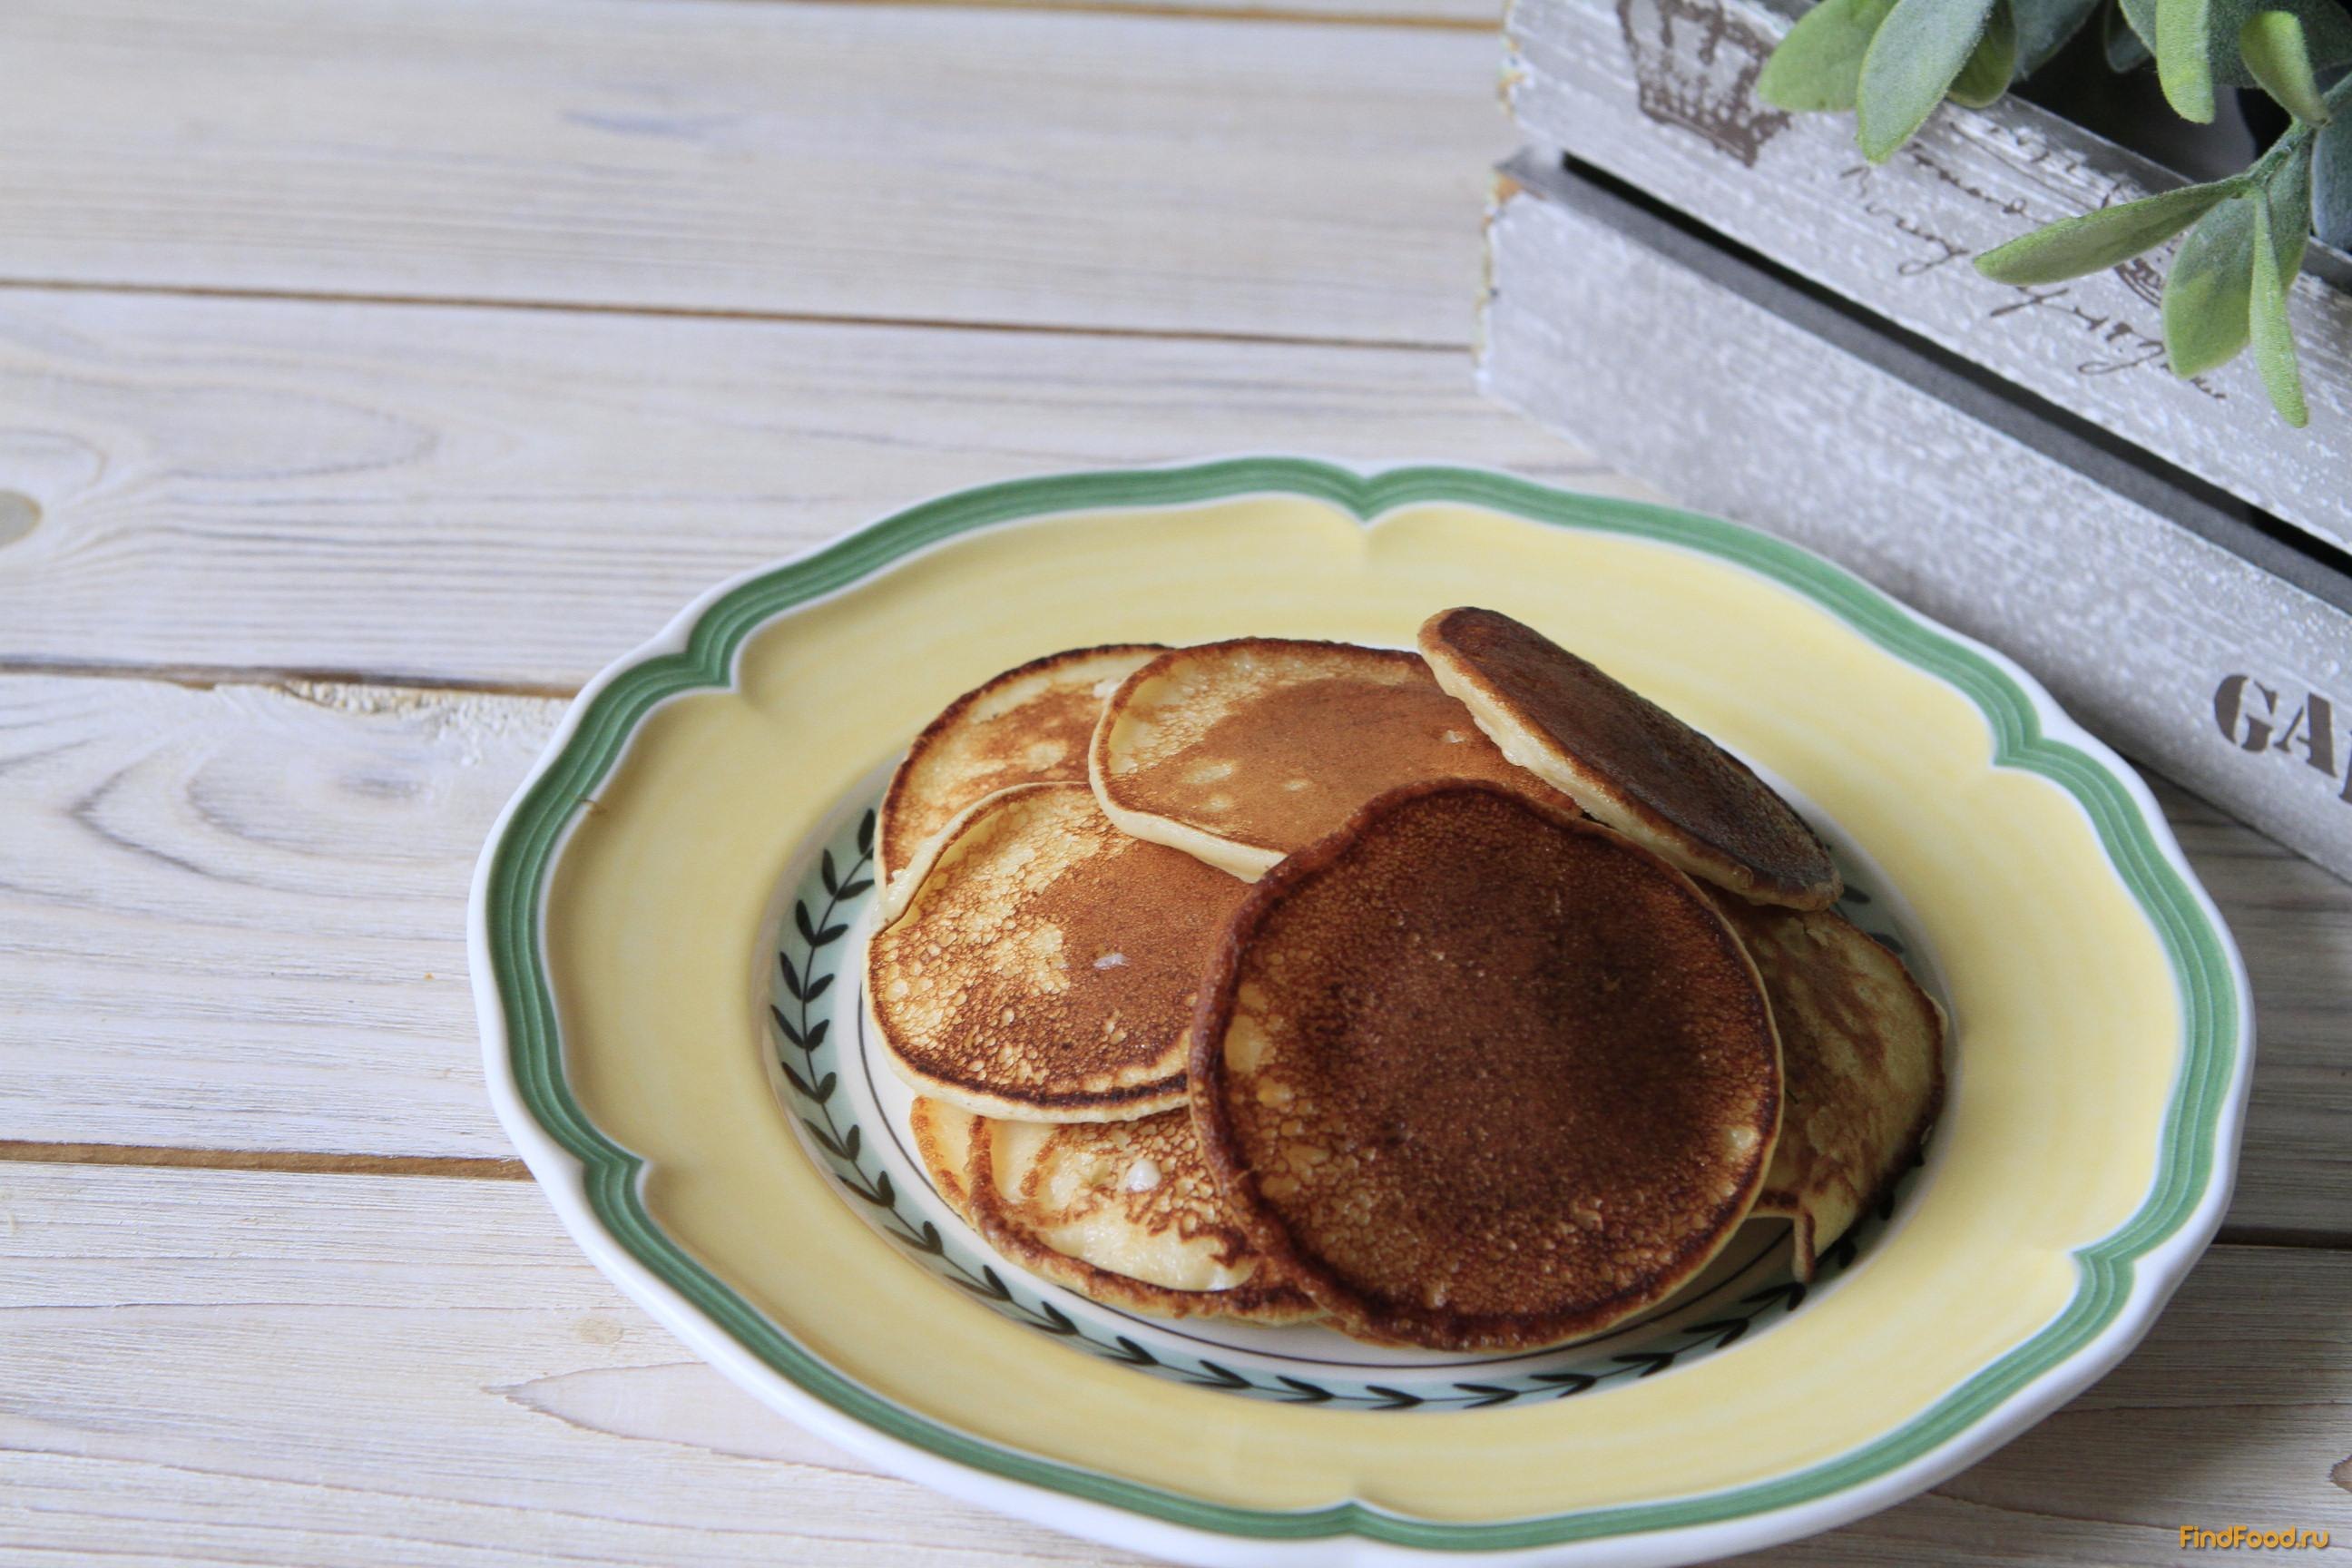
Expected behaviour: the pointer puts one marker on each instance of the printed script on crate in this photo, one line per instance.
(1661, 94)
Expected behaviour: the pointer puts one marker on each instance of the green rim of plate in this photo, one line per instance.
(525, 852)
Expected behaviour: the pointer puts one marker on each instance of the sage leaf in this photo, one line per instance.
(2331, 184)
(2127, 49)
(2208, 292)
(1913, 58)
(2184, 49)
(2286, 192)
(2274, 337)
(1819, 64)
(2271, 43)
(1991, 63)
(2327, 32)
(2074, 246)
(2044, 26)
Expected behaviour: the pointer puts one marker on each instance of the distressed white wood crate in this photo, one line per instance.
(1729, 302)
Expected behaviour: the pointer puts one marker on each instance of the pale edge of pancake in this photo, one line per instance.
(943, 1139)
(1810, 1237)
(1000, 694)
(1250, 1302)
(1596, 794)
(1268, 1232)
(979, 1101)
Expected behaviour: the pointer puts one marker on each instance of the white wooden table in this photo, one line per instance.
(354, 361)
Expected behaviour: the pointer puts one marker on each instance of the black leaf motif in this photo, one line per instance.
(1490, 1395)
(1132, 1354)
(928, 1241)
(828, 1142)
(1839, 1255)
(818, 988)
(1057, 1322)
(1652, 1362)
(851, 889)
(1220, 1377)
(799, 1085)
(824, 1086)
(831, 933)
(996, 1286)
(1309, 1394)
(792, 978)
(849, 1144)
(807, 926)
(1854, 895)
(785, 1025)
(1567, 1383)
(885, 1192)
(1725, 1331)
(1392, 1398)
(817, 1032)
(865, 835)
(1789, 1292)
(832, 877)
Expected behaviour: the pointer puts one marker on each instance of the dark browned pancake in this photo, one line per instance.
(1242, 751)
(1627, 761)
(1483, 1076)
(1045, 967)
(1124, 1213)
(1029, 725)
(1862, 1048)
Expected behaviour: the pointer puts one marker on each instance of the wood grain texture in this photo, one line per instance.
(424, 1373)
(869, 161)
(234, 918)
(1951, 513)
(1601, 78)
(519, 497)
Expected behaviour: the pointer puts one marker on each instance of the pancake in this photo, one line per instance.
(1482, 1076)
(1862, 1048)
(1627, 761)
(1045, 967)
(1242, 751)
(1029, 725)
(1125, 1213)
(943, 1134)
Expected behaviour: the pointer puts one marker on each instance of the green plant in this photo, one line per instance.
(1893, 61)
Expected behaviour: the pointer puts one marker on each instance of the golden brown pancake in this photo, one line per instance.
(1242, 751)
(1862, 1049)
(1482, 1076)
(1045, 966)
(1029, 725)
(943, 1134)
(1124, 1213)
(1628, 762)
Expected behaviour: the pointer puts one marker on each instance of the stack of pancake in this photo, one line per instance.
(1465, 998)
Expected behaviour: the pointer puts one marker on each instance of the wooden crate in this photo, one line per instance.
(2183, 632)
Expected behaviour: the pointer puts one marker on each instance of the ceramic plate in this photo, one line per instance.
(665, 926)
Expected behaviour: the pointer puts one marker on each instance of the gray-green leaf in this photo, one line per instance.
(2287, 191)
(2274, 337)
(2074, 246)
(1911, 61)
(2208, 292)
(2184, 51)
(2271, 45)
(2327, 32)
(2043, 26)
(2127, 49)
(1991, 63)
(1819, 64)
(2331, 183)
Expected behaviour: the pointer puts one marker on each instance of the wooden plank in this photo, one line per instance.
(233, 919)
(424, 1372)
(2139, 653)
(519, 497)
(1659, 94)
(1192, 174)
